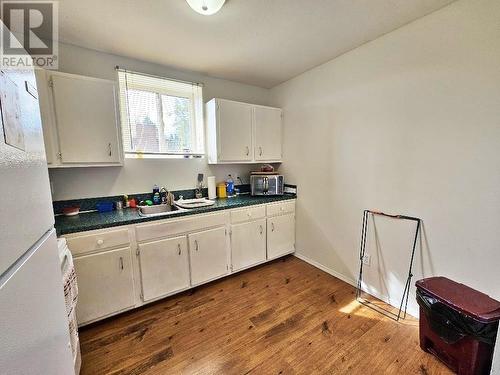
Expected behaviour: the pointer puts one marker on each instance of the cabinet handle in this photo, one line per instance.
(196, 247)
(261, 229)
(100, 242)
(121, 263)
(248, 150)
(272, 227)
(109, 149)
(179, 247)
(260, 151)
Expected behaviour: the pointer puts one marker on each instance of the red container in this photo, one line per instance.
(454, 329)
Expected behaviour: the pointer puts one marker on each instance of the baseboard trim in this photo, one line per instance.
(328, 270)
(352, 282)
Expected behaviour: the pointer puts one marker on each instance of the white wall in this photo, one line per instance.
(140, 175)
(408, 123)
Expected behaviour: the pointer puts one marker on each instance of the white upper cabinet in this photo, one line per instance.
(229, 126)
(80, 120)
(46, 113)
(235, 130)
(242, 133)
(268, 133)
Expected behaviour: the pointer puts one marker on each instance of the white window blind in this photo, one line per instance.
(160, 117)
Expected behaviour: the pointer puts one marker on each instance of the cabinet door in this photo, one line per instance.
(248, 244)
(105, 284)
(46, 113)
(280, 235)
(86, 119)
(164, 267)
(234, 130)
(208, 255)
(268, 134)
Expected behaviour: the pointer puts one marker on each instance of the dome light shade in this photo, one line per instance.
(206, 7)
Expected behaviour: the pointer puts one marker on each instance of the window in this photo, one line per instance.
(160, 117)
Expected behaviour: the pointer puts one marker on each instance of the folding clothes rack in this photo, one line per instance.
(406, 291)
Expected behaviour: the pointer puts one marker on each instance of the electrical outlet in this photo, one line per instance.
(366, 259)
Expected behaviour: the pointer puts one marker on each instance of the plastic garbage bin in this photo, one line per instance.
(457, 324)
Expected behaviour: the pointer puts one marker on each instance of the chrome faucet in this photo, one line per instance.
(166, 197)
(163, 195)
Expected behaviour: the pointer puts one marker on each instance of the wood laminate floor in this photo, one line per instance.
(285, 317)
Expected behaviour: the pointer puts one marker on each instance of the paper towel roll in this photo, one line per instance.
(211, 187)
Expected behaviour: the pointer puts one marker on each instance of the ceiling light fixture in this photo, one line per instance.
(206, 7)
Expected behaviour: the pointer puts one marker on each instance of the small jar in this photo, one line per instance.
(221, 190)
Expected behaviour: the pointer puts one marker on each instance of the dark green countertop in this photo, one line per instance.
(95, 220)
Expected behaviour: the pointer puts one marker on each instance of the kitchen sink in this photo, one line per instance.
(158, 210)
(194, 203)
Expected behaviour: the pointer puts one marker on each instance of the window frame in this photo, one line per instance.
(197, 140)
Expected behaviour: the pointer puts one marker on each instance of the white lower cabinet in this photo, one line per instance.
(280, 235)
(164, 267)
(248, 244)
(105, 284)
(208, 255)
(173, 255)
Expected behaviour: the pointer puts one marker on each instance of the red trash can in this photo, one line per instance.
(458, 324)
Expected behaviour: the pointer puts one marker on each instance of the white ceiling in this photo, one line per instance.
(259, 42)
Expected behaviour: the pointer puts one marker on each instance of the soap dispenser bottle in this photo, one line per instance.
(156, 195)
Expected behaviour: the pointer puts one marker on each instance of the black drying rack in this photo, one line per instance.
(406, 292)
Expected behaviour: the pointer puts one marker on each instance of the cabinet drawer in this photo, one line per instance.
(80, 244)
(180, 226)
(246, 214)
(280, 208)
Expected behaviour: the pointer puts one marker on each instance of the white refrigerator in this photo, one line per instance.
(34, 334)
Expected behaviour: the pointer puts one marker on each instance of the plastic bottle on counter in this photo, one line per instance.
(230, 186)
(156, 195)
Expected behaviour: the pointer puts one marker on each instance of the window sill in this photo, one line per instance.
(163, 156)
